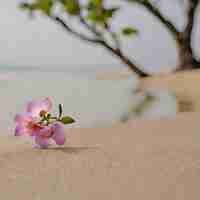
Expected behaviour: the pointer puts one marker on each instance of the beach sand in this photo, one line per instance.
(142, 159)
(185, 85)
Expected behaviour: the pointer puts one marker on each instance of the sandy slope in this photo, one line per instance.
(185, 85)
(141, 160)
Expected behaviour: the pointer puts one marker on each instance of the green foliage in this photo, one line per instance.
(94, 4)
(42, 5)
(94, 11)
(100, 16)
(144, 104)
(94, 16)
(97, 13)
(67, 120)
(129, 31)
(72, 7)
(140, 108)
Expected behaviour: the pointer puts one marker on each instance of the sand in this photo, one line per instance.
(154, 160)
(185, 85)
(141, 159)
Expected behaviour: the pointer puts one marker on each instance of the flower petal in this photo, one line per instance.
(42, 142)
(45, 132)
(36, 106)
(47, 104)
(58, 133)
(20, 130)
(22, 118)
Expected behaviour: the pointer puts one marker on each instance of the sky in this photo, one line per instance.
(40, 42)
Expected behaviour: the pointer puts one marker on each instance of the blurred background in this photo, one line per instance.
(40, 43)
(38, 59)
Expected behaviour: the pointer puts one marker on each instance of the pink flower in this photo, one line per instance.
(37, 107)
(40, 124)
(55, 132)
(28, 121)
(41, 134)
(26, 125)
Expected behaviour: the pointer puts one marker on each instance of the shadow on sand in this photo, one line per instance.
(74, 150)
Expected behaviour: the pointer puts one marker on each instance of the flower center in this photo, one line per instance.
(42, 113)
(33, 127)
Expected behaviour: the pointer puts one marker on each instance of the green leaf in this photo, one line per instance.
(128, 31)
(67, 120)
(26, 6)
(110, 12)
(101, 16)
(95, 4)
(97, 13)
(92, 16)
(144, 104)
(72, 7)
(43, 5)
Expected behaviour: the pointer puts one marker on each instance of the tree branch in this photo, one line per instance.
(191, 13)
(185, 37)
(124, 59)
(61, 22)
(99, 40)
(98, 34)
(156, 12)
(115, 51)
